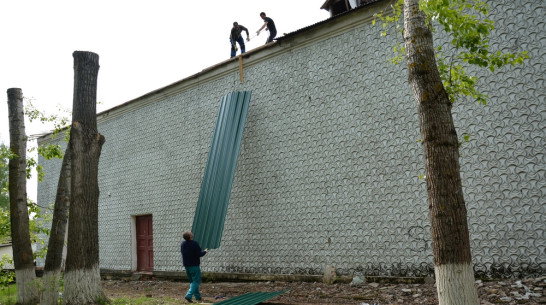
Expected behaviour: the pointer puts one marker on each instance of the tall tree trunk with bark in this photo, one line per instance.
(57, 236)
(82, 272)
(27, 288)
(450, 237)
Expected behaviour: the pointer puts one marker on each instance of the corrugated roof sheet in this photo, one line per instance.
(210, 213)
(251, 298)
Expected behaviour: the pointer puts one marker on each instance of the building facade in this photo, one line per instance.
(328, 171)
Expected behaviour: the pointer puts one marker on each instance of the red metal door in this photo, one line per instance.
(145, 243)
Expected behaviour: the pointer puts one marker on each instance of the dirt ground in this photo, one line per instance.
(527, 291)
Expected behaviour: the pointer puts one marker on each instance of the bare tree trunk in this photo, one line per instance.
(27, 288)
(450, 237)
(57, 236)
(82, 273)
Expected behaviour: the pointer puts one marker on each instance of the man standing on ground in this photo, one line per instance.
(236, 36)
(270, 27)
(191, 259)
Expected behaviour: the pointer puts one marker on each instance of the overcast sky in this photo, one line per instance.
(142, 45)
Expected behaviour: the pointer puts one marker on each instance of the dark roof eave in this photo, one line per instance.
(326, 20)
(325, 5)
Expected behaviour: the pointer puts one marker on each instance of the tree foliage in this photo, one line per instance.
(4, 175)
(466, 23)
(4, 195)
(7, 276)
(48, 151)
(60, 120)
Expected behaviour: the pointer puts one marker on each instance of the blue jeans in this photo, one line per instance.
(241, 42)
(194, 277)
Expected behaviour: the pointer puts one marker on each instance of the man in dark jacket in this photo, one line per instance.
(270, 27)
(236, 36)
(191, 259)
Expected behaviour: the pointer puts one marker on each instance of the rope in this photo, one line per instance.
(253, 36)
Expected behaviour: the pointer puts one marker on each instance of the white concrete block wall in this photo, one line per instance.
(329, 164)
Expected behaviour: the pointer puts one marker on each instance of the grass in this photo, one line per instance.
(8, 295)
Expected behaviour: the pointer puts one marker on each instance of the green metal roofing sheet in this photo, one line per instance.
(251, 298)
(210, 213)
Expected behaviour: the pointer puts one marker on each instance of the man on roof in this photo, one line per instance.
(236, 36)
(268, 22)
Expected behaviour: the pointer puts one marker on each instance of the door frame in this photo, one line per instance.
(134, 250)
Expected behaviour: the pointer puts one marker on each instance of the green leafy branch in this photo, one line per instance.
(60, 122)
(32, 163)
(392, 17)
(7, 276)
(6, 153)
(39, 226)
(49, 151)
(456, 81)
(389, 17)
(465, 21)
(5, 226)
